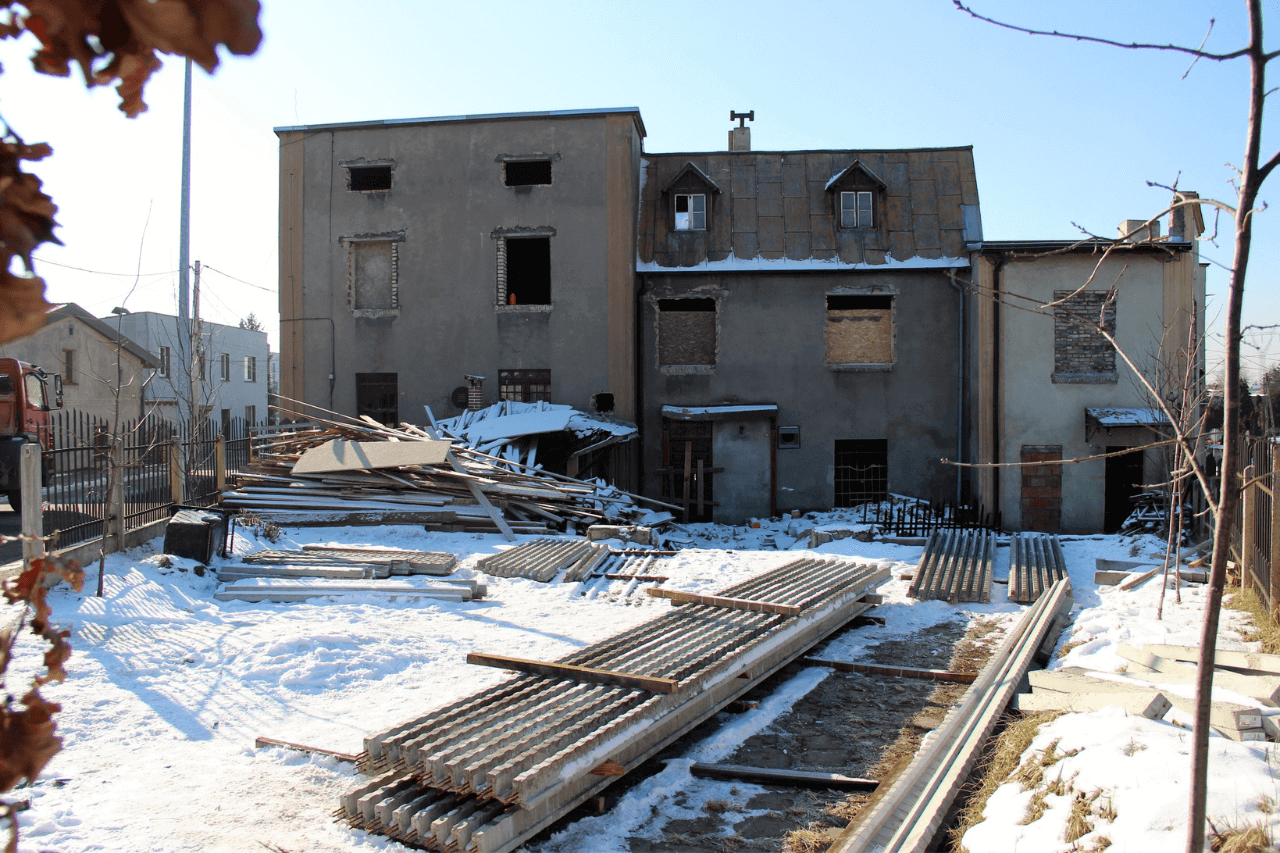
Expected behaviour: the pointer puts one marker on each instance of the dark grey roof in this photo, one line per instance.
(74, 311)
(386, 122)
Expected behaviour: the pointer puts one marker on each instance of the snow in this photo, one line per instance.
(760, 264)
(511, 419)
(1117, 416)
(169, 688)
(684, 411)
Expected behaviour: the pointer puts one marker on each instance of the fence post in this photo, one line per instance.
(176, 478)
(32, 504)
(1248, 528)
(1273, 558)
(115, 511)
(220, 465)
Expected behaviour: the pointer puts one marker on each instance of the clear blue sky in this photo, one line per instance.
(1063, 133)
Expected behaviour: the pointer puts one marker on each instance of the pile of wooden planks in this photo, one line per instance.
(342, 470)
(1138, 690)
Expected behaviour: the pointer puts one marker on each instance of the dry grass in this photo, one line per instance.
(1102, 842)
(1253, 838)
(1264, 628)
(716, 806)
(998, 766)
(1036, 807)
(1067, 647)
(806, 841)
(1080, 822)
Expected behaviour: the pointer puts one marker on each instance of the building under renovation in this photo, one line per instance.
(788, 329)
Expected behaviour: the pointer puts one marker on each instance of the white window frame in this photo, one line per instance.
(857, 209)
(694, 216)
(225, 358)
(166, 362)
(250, 368)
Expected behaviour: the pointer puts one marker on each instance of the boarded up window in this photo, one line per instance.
(686, 332)
(859, 329)
(1080, 352)
(373, 276)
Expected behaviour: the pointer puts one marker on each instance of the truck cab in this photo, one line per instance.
(27, 395)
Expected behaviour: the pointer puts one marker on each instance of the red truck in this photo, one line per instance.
(26, 398)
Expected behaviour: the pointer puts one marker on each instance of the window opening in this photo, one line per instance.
(528, 270)
(35, 391)
(69, 366)
(686, 332)
(164, 361)
(250, 416)
(524, 386)
(250, 368)
(365, 179)
(6, 384)
(377, 395)
(860, 329)
(526, 173)
(226, 367)
(856, 210)
(789, 438)
(862, 471)
(691, 212)
(602, 402)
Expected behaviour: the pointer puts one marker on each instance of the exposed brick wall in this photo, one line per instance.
(1042, 489)
(1080, 353)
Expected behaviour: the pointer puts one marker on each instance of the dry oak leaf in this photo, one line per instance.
(27, 741)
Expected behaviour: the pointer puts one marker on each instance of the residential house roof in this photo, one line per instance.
(71, 310)
(389, 122)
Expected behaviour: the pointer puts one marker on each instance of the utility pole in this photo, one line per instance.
(184, 260)
(197, 350)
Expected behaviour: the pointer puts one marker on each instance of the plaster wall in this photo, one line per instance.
(771, 349)
(448, 198)
(1036, 411)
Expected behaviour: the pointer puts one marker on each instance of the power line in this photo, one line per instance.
(233, 278)
(100, 272)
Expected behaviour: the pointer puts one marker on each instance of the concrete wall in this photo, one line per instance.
(448, 198)
(771, 349)
(1033, 410)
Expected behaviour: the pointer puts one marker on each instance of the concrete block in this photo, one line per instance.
(1256, 661)
(1223, 715)
(1151, 704)
(625, 532)
(1264, 688)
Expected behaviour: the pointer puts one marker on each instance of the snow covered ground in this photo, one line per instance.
(169, 688)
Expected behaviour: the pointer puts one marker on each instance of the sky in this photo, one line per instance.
(1066, 135)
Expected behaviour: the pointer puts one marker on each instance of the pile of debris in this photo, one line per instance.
(478, 472)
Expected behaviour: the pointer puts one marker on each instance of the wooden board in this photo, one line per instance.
(577, 673)
(728, 603)
(262, 742)
(900, 671)
(783, 776)
(342, 455)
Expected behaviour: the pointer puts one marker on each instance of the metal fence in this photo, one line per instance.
(152, 450)
(1255, 533)
(920, 518)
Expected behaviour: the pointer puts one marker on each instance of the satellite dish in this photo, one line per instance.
(459, 397)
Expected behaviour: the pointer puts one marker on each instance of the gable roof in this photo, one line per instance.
(693, 171)
(850, 170)
(73, 311)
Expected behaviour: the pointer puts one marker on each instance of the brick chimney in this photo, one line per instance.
(740, 136)
(475, 392)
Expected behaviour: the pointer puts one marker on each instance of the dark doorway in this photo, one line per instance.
(688, 470)
(1123, 483)
(862, 471)
(377, 395)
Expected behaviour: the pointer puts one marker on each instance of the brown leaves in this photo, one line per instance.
(27, 740)
(114, 40)
(26, 221)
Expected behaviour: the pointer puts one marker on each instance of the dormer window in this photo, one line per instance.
(691, 212)
(692, 199)
(858, 192)
(857, 209)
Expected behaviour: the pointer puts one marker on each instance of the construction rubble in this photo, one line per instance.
(479, 472)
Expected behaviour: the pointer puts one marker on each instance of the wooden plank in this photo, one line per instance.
(1142, 578)
(899, 671)
(341, 455)
(576, 673)
(701, 488)
(783, 777)
(728, 603)
(688, 469)
(474, 488)
(641, 578)
(264, 742)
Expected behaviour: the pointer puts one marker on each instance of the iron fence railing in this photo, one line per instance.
(920, 518)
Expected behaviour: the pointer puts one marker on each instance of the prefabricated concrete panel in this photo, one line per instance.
(341, 455)
(744, 488)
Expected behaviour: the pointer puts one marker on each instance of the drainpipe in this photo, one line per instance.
(961, 354)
